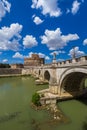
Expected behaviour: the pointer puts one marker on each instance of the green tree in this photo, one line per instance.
(4, 65)
(36, 99)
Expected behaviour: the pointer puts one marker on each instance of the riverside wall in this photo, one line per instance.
(10, 72)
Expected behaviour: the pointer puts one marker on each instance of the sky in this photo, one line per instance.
(43, 27)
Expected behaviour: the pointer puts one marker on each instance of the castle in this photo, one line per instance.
(34, 60)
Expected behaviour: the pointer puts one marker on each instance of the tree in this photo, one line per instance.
(36, 99)
(4, 65)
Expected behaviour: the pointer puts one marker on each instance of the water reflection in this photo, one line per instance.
(15, 96)
(9, 116)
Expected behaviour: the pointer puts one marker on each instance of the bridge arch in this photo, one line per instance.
(47, 75)
(73, 79)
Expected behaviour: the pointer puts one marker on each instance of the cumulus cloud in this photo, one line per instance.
(47, 7)
(85, 42)
(47, 58)
(55, 40)
(18, 55)
(76, 51)
(5, 60)
(57, 52)
(37, 20)
(30, 54)
(29, 41)
(75, 7)
(4, 8)
(10, 36)
(41, 55)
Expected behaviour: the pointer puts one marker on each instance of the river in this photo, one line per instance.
(16, 112)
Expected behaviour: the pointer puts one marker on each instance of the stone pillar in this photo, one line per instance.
(73, 60)
(59, 90)
(53, 88)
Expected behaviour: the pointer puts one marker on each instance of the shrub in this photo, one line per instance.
(36, 99)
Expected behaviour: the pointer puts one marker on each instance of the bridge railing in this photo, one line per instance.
(77, 61)
(81, 60)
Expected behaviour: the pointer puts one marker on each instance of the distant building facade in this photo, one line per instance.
(34, 60)
(15, 66)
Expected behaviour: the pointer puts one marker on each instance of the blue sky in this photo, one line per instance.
(42, 27)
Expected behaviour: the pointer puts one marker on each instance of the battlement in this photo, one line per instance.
(71, 62)
(79, 60)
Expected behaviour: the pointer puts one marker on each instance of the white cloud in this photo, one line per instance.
(55, 40)
(62, 52)
(4, 8)
(18, 55)
(10, 36)
(41, 55)
(85, 42)
(75, 7)
(37, 20)
(29, 41)
(47, 58)
(5, 60)
(57, 52)
(76, 51)
(47, 7)
(30, 54)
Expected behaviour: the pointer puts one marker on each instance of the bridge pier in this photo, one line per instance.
(53, 88)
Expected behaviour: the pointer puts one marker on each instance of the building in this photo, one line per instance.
(34, 60)
(15, 66)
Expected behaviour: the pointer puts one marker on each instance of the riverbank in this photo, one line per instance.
(56, 114)
(14, 75)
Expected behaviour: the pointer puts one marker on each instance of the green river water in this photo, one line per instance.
(16, 112)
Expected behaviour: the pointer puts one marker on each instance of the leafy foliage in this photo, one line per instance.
(4, 65)
(36, 99)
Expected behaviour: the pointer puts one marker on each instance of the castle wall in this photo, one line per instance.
(34, 60)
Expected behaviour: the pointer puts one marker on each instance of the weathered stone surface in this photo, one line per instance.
(9, 71)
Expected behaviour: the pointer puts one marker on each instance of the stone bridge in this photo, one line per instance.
(69, 75)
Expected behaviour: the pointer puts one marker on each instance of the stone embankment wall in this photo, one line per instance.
(27, 71)
(9, 71)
